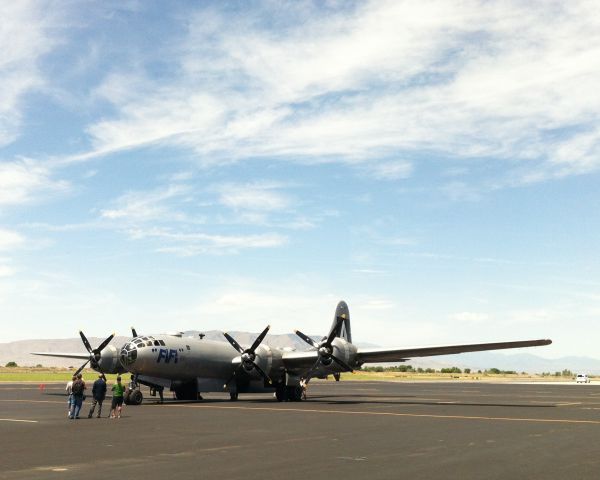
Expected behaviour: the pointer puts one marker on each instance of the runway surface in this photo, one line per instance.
(366, 430)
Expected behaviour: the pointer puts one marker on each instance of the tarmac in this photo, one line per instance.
(345, 430)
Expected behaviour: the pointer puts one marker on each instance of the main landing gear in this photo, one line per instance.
(133, 397)
(290, 393)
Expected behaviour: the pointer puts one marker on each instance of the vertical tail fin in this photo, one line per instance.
(344, 328)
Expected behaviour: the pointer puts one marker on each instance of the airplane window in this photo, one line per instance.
(149, 344)
(156, 344)
(188, 347)
(162, 342)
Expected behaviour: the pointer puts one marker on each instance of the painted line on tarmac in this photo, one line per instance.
(33, 401)
(395, 414)
(17, 420)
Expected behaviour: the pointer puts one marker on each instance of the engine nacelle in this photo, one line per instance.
(109, 361)
(270, 361)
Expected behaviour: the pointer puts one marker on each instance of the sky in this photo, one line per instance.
(228, 165)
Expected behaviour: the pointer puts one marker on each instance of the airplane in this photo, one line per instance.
(191, 366)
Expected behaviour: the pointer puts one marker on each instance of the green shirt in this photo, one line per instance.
(118, 390)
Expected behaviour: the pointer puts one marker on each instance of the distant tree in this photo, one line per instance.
(12, 364)
(379, 369)
(451, 370)
(39, 365)
(494, 371)
(567, 373)
(467, 370)
(429, 370)
(420, 370)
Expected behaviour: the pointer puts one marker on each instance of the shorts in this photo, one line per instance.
(116, 401)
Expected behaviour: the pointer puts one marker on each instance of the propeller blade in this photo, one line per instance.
(133, 332)
(260, 370)
(259, 339)
(105, 343)
(334, 331)
(85, 342)
(97, 366)
(82, 367)
(312, 370)
(234, 344)
(233, 375)
(307, 339)
(342, 364)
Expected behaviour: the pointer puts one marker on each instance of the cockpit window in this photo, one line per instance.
(156, 344)
(162, 342)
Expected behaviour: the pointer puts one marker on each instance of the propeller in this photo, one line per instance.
(95, 353)
(248, 356)
(325, 349)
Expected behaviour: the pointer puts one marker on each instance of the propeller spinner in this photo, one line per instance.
(325, 349)
(248, 356)
(95, 353)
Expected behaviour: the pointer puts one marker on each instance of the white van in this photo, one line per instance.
(582, 378)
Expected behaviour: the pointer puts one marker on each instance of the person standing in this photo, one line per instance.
(77, 390)
(69, 390)
(118, 390)
(98, 395)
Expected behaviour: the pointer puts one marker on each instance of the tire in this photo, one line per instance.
(294, 393)
(233, 396)
(136, 397)
(280, 393)
(187, 392)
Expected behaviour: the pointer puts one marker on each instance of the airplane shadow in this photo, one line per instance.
(372, 401)
(331, 400)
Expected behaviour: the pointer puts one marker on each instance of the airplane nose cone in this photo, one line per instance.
(128, 355)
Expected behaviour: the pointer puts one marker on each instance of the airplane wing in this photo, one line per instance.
(371, 355)
(80, 356)
(297, 361)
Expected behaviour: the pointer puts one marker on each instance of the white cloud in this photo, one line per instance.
(10, 239)
(391, 170)
(25, 36)
(144, 206)
(388, 77)
(6, 271)
(253, 197)
(470, 317)
(189, 244)
(21, 181)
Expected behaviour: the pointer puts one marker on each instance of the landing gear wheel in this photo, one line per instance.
(294, 393)
(280, 393)
(233, 396)
(187, 392)
(135, 397)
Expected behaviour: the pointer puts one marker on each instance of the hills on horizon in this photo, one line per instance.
(19, 352)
